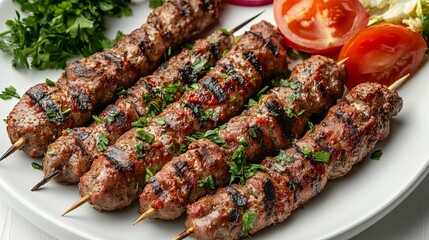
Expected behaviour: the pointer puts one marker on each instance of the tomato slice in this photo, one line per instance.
(319, 26)
(382, 53)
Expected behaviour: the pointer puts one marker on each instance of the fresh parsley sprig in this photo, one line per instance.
(54, 31)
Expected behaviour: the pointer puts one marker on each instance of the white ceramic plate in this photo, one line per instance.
(346, 207)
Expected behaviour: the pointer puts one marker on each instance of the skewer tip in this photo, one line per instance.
(342, 61)
(398, 82)
(17, 145)
(46, 179)
(145, 215)
(184, 234)
(245, 22)
(77, 204)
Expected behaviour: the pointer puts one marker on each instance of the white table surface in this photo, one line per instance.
(410, 220)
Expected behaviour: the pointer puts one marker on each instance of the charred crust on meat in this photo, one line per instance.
(211, 84)
(196, 111)
(321, 87)
(180, 168)
(114, 59)
(82, 99)
(281, 117)
(80, 136)
(207, 5)
(294, 185)
(269, 195)
(183, 8)
(186, 73)
(340, 114)
(156, 186)
(231, 72)
(215, 50)
(51, 108)
(119, 120)
(273, 48)
(234, 215)
(120, 159)
(253, 60)
(238, 199)
(144, 42)
(80, 71)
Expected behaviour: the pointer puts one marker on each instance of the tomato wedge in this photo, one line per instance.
(319, 26)
(382, 53)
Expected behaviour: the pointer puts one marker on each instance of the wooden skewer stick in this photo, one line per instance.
(184, 234)
(17, 145)
(145, 215)
(398, 82)
(342, 61)
(77, 204)
(46, 179)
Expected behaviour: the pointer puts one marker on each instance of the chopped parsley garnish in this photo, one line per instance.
(102, 142)
(208, 183)
(249, 219)
(279, 167)
(376, 155)
(252, 133)
(49, 82)
(52, 153)
(9, 92)
(311, 126)
(243, 141)
(317, 156)
(36, 166)
(121, 91)
(98, 119)
(239, 168)
(284, 157)
(65, 112)
(139, 150)
(111, 116)
(148, 175)
(212, 135)
(253, 102)
(142, 122)
(160, 121)
(226, 32)
(144, 136)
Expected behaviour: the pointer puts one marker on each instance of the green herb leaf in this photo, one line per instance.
(249, 219)
(144, 136)
(50, 82)
(98, 119)
(282, 156)
(208, 183)
(8, 93)
(148, 175)
(376, 155)
(102, 142)
(36, 166)
(322, 156)
(142, 122)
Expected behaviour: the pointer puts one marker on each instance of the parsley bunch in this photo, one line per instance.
(54, 31)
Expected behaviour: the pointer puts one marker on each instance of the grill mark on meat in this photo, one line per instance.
(215, 50)
(51, 109)
(156, 186)
(274, 49)
(349, 122)
(230, 71)
(211, 84)
(259, 136)
(80, 137)
(180, 168)
(321, 88)
(80, 71)
(234, 215)
(269, 196)
(253, 60)
(196, 111)
(186, 73)
(114, 59)
(207, 4)
(183, 9)
(294, 185)
(238, 199)
(82, 99)
(281, 116)
(117, 156)
(120, 119)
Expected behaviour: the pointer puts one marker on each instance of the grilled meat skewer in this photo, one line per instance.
(270, 125)
(45, 110)
(71, 155)
(345, 136)
(117, 176)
